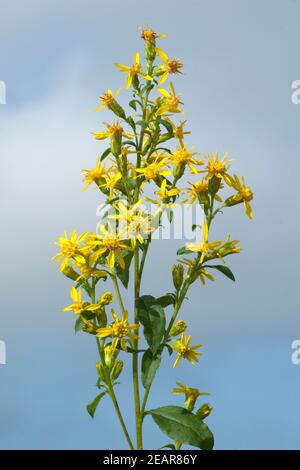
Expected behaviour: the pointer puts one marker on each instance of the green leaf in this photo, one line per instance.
(132, 104)
(91, 408)
(150, 364)
(168, 446)
(152, 317)
(184, 251)
(166, 300)
(223, 269)
(79, 325)
(169, 348)
(167, 125)
(105, 154)
(123, 274)
(181, 425)
(129, 142)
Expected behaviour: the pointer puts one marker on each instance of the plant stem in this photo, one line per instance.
(118, 293)
(135, 361)
(112, 395)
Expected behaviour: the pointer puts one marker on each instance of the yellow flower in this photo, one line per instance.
(169, 65)
(119, 331)
(87, 271)
(79, 306)
(244, 194)
(70, 250)
(183, 157)
(133, 71)
(111, 244)
(204, 246)
(154, 169)
(136, 224)
(164, 194)
(217, 168)
(178, 131)
(113, 130)
(94, 175)
(108, 100)
(169, 103)
(112, 178)
(150, 36)
(191, 395)
(196, 191)
(185, 351)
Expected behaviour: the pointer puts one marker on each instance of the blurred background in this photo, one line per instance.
(240, 59)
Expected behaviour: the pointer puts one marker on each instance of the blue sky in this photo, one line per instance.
(240, 60)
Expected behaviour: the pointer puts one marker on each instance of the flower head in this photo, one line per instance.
(169, 103)
(183, 156)
(204, 246)
(156, 168)
(185, 351)
(150, 36)
(119, 330)
(79, 306)
(133, 71)
(70, 249)
(244, 194)
(94, 175)
(108, 100)
(136, 224)
(191, 395)
(217, 167)
(110, 244)
(169, 66)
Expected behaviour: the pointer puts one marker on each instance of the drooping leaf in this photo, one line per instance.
(167, 125)
(132, 104)
(105, 154)
(184, 251)
(79, 325)
(166, 300)
(91, 408)
(181, 425)
(150, 364)
(123, 274)
(223, 269)
(152, 317)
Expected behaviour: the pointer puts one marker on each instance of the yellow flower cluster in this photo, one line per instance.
(147, 159)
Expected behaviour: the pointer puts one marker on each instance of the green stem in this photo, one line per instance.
(135, 361)
(118, 293)
(113, 395)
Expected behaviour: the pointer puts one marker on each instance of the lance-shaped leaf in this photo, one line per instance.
(123, 274)
(223, 269)
(152, 317)
(181, 425)
(150, 364)
(91, 408)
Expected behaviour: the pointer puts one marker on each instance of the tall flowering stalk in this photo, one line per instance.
(146, 160)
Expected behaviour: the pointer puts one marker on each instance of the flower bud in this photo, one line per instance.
(179, 327)
(100, 370)
(106, 298)
(110, 355)
(214, 185)
(177, 273)
(117, 369)
(204, 411)
(179, 170)
(116, 108)
(70, 273)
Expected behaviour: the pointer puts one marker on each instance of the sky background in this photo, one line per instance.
(240, 59)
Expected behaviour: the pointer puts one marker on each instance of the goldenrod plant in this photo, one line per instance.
(145, 162)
